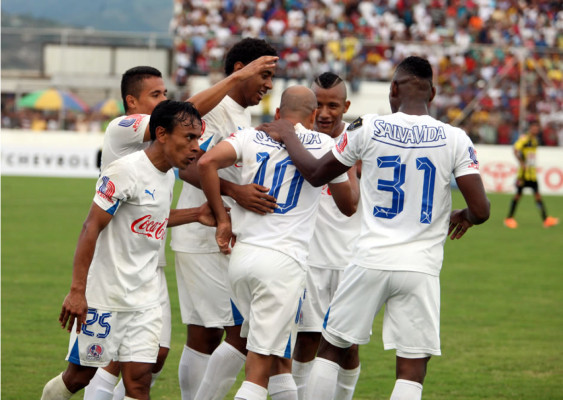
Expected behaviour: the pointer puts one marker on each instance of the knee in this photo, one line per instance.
(412, 369)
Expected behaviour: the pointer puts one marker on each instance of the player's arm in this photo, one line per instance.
(316, 171)
(75, 306)
(201, 214)
(207, 99)
(221, 156)
(345, 197)
(478, 206)
(252, 197)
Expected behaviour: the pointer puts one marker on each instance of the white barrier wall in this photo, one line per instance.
(71, 154)
(63, 154)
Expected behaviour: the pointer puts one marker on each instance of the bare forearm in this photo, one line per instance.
(210, 184)
(182, 216)
(208, 99)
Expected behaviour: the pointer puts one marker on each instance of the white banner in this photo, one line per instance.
(72, 154)
(498, 168)
(62, 154)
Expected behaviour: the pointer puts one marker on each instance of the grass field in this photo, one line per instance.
(502, 300)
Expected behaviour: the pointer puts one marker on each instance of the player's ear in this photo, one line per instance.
(131, 102)
(277, 114)
(432, 93)
(346, 106)
(238, 65)
(313, 117)
(161, 135)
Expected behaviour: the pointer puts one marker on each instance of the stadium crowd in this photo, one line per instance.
(470, 44)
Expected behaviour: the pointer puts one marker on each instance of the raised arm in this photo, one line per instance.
(75, 306)
(207, 99)
(478, 206)
(220, 156)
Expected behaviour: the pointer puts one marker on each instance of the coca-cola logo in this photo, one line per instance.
(148, 227)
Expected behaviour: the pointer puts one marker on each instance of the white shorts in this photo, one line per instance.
(164, 298)
(204, 290)
(411, 323)
(125, 336)
(319, 290)
(268, 287)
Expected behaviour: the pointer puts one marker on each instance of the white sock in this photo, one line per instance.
(154, 377)
(322, 380)
(224, 365)
(300, 372)
(56, 389)
(251, 391)
(282, 387)
(190, 371)
(118, 391)
(346, 383)
(101, 386)
(406, 390)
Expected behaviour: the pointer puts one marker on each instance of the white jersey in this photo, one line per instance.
(124, 135)
(227, 117)
(335, 234)
(122, 275)
(266, 162)
(407, 164)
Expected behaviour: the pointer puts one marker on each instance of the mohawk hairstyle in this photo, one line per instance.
(327, 80)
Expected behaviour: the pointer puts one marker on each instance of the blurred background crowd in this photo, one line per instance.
(498, 63)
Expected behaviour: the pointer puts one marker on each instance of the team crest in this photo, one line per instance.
(132, 120)
(342, 143)
(358, 122)
(94, 352)
(473, 156)
(106, 189)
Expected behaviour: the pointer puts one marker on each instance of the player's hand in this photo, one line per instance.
(206, 216)
(459, 224)
(256, 67)
(224, 237)
(255, 198)
(74, 308)
(277, 129)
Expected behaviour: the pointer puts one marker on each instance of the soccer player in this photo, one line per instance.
(330, 249)
(142, 88)
(113, 308)
(267, 268)
(201, 269)
(408, 158)
(525, 151)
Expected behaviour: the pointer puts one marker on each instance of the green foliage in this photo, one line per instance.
(502, 326)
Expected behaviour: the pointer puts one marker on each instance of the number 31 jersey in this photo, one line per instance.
(407, 167)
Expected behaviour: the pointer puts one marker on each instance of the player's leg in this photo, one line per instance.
(509, 221)
(137, 379)
(348, 374)
(281, 385)
(316, 300)
(268, 286)
(411, 326)
(205, 307)
(66, 384)
(102, 386)
(359, 297)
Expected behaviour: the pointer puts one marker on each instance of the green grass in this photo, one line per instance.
(502, 324)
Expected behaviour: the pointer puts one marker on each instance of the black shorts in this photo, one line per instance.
(520, 185)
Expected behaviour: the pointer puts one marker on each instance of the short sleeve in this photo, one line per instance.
(466, 161)
(114, 187)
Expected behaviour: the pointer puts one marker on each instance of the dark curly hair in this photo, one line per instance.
(246, 51)
(327, 80)
(416, 66)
